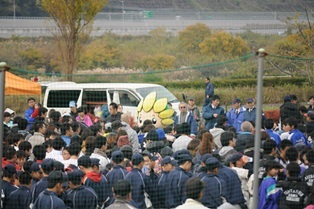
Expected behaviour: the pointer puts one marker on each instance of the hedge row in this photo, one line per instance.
(229, 82)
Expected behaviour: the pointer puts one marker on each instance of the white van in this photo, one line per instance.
(88, 95)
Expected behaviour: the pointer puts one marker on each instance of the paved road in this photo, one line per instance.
(40, 27)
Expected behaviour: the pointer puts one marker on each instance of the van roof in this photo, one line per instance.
(72, 85)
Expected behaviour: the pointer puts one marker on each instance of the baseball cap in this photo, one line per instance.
(234, 158)
(71, 168)
(166, 151)
(75, 175)
(35, 167)
(117, 156)
(126, 148)
(249, 100)
(152, 135)
(205, 157)
(168, 160)
(57, 177)
(84, 161)
(183, 158)
(47, 165)
(212, 163)
(94, 161)
(236, 100)
(116, 124)
(178, 153)
(310, 114)
(72, 104)
(137, 159)
(150, 155)
(9, 169)
(191, 99)
(287, 98)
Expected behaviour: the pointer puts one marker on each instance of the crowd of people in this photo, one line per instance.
(204, 160)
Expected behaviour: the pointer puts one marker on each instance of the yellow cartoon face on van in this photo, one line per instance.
(155, 110)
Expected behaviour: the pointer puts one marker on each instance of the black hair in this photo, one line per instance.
(233, 130)
(208, 78)
(310, 156)
(268, 123)
(31, 98)
(50, 133)
(226, 137)
(291, 121)
(294, 169)
(76, 139)
(48, 143)
(184, 128)
(268, 146)
(56, 179)
(16, 138)
(100, 141)
(42, 110)
(17, 119)
(86, 133)
(193, 188)
(55, 116)
(39, 152)
(58, 143)
(76, 180)
(292, 154)
(38, 125)
(25, 145)
(74, 149)
(168, 129)
(27, 166)
(303, 109)
(293, 97)
(215, 97)
(21, 154)
(271, 164)
(75, 126)
(114, 105)
(285, 143)
(25, 178)
(9, 152)
(7, 174)
(65, 127)
(302, 128)
(122, 188)
(66, 119)
(22, 124)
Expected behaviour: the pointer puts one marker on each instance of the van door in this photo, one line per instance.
(127, 98)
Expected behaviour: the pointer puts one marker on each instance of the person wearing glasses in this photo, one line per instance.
(186, 116)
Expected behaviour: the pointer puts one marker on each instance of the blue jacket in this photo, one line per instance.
(7, 189)
(175, 182)
(104, 111)
(82, 198)
(100, 185)
(268, 194)
(297, 137)
(209, 89)
(38, 188)
(190, 120)
(274, 136)
(161, 188)
(117, 173)
(28, 113)
(19, 198)
(233, 190)
(235, 119)
(214, 189)
(66, 139)
(48, 200)
(207, 114)
(139, 182)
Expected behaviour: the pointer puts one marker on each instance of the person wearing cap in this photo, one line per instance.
(236, 114)
(310, 122)
(192, 107)
(117, 172)
(48, 198)
(73, 110)
(47, 167)
(80, 196)
(7, 120)
(114, 114)
(133, 137)
(289, 109)
(211, 112)
(194, 192)
(122, 195)
(96, 181)
(250, 112)
(237, 161)
(186, 116)
(201, 169)
(9, 173)
(214, 187)
(268, 193)
(140, 183)
(100, 152)
(176, 180)
(35, 172)
(209, 91)
(20, 198)
(168, 164)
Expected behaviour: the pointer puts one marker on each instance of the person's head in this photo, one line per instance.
(126, 118)
(66, 154)
(185, 162)
(227, 139)
(311, 100)
(236, 103)
(127, 151)
(25, 179)
(207, 79)
(246, 126)
(250, 103)
(55, 116)
(289, 124)
(221, 122)
(67, 119)
(40, 127)
(182, 107)
(272, 168)
(66, 129)
(39, 152)
(10, 154)
(48, 145)
(89, 143)
(117, 157)
(309, 157)
(22, 124)
(215, 100)
(35, 171)
(191, 101)
(168, 163)
(184, 129)
(6, 117)
(193, 146)
(120, 108)
(113, 108)
(31, 102)
(42, 112)
(287, 98)
(74, 149)
(284, 145)
(76, 127)
(122, 189)
(236, 160)
(75, 178)
(269, 123)
(269, 147)
(58, 143)
(293, 169)
(20, 158)
(138, 161)
(55, 180)
(101, 143)
(26, 147)
(212, 165)
(294, 98)
(84, 163)
(27, 166)
(47, 166)
(9, 172)
(73, 106)
(310, 116)
(193, 188)
(111, 140)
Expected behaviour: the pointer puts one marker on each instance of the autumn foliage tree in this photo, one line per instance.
(73, 19)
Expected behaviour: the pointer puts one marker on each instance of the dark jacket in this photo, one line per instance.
(140, 183)
(207, 114)
(175, 182)
(111, 118)
(289, 109)
(100, 185)
(233, 190)
(294, 192)
(160, 191)
(308, 175)
(48, 200)
(262, 169)
(82, 198)
(7, 188)
(209, 89)
(117, 173)
(309, 127)
(19, 198)
(214, 189)
(38, 188)
(245, 140)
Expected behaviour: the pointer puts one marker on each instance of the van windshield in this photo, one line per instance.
(61, 98)
(162, 92)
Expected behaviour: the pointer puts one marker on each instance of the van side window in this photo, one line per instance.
(61, 98)
(127, 99)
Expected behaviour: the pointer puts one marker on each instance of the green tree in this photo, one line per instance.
(74, 20)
